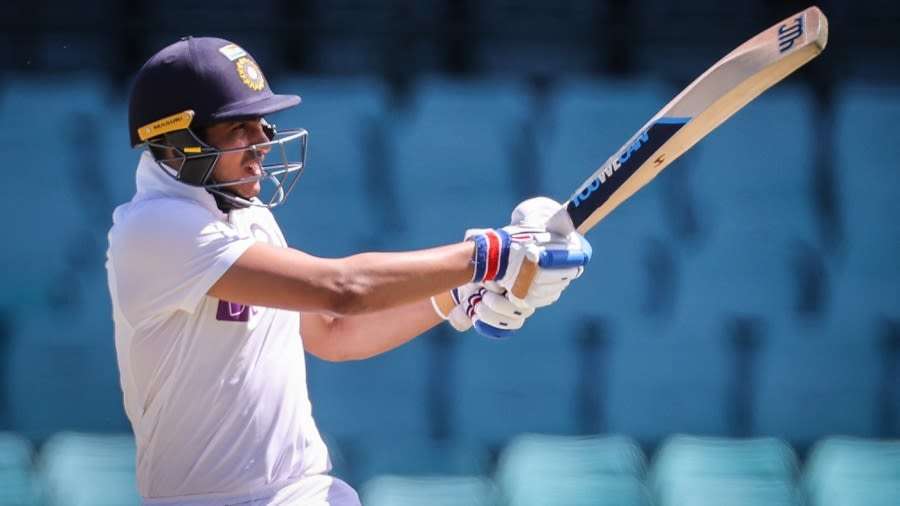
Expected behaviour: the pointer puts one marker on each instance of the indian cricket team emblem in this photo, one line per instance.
(250, 73)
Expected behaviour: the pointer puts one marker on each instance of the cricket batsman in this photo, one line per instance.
(213, 310)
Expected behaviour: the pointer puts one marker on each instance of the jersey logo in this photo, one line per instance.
(234, 312)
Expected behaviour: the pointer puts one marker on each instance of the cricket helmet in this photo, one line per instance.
(195, 83)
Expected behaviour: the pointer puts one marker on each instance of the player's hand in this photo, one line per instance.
(491, 313)
(561, 260)
(501, 256)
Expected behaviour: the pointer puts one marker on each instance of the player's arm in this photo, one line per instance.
(286, 278)
(363, 336)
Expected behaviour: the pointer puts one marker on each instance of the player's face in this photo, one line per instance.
(239, 164)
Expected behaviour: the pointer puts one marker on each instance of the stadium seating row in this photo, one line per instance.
(533, 470)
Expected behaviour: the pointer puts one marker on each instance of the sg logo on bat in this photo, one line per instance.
(788, 33)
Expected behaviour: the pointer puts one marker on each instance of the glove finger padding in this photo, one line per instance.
(485, 314)
(539, 301)
(501, 307)
(459, 319)
(552, 276)
(534, 212)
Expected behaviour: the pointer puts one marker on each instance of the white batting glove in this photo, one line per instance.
(488, 302)
(473, 304)
(562, 259)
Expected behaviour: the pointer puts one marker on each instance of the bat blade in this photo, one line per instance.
(722, 90)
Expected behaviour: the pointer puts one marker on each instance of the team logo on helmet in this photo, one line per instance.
(250, 74)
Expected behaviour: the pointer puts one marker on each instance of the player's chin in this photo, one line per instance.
(249, 190)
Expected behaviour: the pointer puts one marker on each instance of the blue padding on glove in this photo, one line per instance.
(491, 331)
(563, 258)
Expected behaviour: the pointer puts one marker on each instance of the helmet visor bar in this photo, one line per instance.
(282, 161)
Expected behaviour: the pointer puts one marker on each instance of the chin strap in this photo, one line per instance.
(225, 204)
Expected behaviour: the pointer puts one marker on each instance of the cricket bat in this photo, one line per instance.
(726, 87)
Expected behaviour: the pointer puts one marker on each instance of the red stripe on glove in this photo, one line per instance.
(493, 263)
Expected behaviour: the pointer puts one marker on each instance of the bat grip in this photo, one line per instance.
(527, 273)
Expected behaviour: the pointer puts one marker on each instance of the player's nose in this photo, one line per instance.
(259, 137)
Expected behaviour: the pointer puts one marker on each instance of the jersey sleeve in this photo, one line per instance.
(167, 255)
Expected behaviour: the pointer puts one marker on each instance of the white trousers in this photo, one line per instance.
(319, 490)
(316, 490)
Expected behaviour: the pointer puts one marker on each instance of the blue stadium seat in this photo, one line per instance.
(336, 207)
(819, 378)
(526, 383)
(62, 369)
(684, 456)
(539, 469)
(44, 147)
(583, 491)
(435, 491)
(731, 491)
(668, 378)
(544, 454)
(17, 485)
(587, 121)
(879, 493)
(118, 159)
(452, 160)
(383, 397)
(697, 471)
(90, 470)
(844, 471)
(753, 178)
(868, 276)
(419, 457)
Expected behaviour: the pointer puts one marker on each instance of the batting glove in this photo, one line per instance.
(561, 258)
(490, 313)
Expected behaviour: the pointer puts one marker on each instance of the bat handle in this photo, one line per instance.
(527, 272)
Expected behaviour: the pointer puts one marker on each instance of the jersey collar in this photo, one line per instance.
(156, 180)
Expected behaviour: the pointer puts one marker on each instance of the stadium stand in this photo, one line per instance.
(572, 471)
(505, 387)
(667, 378)
(338, 205)
(18, 486)
(416, 457)
(818, 378)
(47, 183)
(380, 398)
(697, 471)
(843, 471)
(867, 277)
(451, 153)
(89, 470)
(534, 37)
(752, 178)
(438, 491)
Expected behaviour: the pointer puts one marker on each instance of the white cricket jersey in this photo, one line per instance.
(215, 391)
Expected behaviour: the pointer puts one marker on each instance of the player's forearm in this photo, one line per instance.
(367, 335)
(377, 281)
(286, 278)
